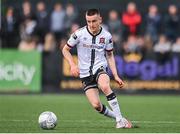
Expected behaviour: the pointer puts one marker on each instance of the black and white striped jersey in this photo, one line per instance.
(91, 49)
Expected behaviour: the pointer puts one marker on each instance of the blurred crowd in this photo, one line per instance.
(134, 33)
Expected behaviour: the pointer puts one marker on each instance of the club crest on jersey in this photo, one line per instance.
(102, 40)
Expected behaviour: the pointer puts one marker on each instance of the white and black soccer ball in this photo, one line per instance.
(47, 120)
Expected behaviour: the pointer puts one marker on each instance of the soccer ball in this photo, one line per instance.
(47, 120)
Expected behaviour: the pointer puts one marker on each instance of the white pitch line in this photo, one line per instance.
(14, 120)
(146, 122)
(156, 122)
(84, 121)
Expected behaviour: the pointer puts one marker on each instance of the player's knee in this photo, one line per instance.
(105, 87)
(97, 106)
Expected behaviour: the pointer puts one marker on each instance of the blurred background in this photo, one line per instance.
(146, 37)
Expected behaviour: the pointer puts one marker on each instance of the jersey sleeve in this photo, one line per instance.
(73, 40)
(109, 43)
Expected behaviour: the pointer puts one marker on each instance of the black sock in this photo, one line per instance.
(103, 109)
(111, 96)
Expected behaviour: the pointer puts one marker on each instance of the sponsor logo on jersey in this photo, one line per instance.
(93, 46)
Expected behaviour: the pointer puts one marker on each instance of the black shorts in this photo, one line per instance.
(91, 81)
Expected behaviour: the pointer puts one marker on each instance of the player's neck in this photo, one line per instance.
(95, 32)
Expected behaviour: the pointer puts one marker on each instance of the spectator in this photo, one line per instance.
(131, 20)
(176, 46)
(163, 45)
(28, 28)
(73, 28)
(28, 44)
(148, 42)
(27, 11)
(57, 21)
(133, 48)
(171, 22)
(117, 43)
(10, 27)
(153, 20)
(132, 44)
(114, 23)
(114, 26)
(50, 43)
(141, 45)
(162, 49)
(51, 64)
(71, 16)
(42, 20)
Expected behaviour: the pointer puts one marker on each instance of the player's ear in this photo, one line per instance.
(100, 19)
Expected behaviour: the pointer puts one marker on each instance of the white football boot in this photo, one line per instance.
(124, 123)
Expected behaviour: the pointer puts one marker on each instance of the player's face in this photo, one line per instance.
(94, 22)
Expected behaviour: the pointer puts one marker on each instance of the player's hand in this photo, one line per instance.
(119, 81)
(75, 71)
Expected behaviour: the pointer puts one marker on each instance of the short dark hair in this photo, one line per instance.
(91, 12)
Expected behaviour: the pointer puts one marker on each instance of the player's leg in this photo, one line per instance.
(104, 84)
(93, 97)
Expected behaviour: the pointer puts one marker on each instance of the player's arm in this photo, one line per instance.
(112, 65)
(67, 55)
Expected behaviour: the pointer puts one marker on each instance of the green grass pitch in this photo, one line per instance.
(19, 113)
